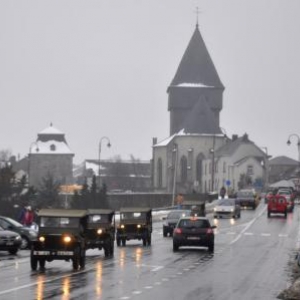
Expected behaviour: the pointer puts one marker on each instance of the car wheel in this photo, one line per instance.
(25, 242)
(269, 214)
(211, 247)
(42, 263)
(175, 247)
(285, 214)
(13, 251)
(165, 233)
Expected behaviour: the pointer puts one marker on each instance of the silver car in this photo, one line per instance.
(227, 208)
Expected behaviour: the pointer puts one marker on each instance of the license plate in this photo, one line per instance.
(9, 243)
(193, 238)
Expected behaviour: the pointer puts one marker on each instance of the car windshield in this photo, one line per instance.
(177, 214)
(133, 216)
(227, 202)
(59, 222)
(195, 223)
(244, 194)
(93, 219)
(14, 222)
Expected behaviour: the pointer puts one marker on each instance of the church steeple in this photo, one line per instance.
(196, 79)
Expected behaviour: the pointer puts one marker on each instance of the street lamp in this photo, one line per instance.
(298, 145)
(175, 150)
(29, 159)
(99, 153)
(266, 163)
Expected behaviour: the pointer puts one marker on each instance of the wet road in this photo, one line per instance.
(250, 262)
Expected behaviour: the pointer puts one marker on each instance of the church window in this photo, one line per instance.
(52, 147)
(159, 173)
(224, 167)
(183, 169)
(199, 169)
(249, 170)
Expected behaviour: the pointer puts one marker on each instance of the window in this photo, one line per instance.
(250, 170)
(224, 167)
(52, 147)
(159, 173)
(199, 168)
(183, 169)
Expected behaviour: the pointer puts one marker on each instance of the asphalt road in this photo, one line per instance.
(251, 261)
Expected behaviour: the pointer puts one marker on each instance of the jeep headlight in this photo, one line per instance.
(138, 225)
(67, 239)
(122, 226)
(42, 239)
(100, 231)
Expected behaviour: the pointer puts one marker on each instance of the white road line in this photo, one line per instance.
(136, 292)
(283, 235)
(265, 234)
(248, 233)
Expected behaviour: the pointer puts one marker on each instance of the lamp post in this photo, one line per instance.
(266, 166)
(99, 153)
(175, 149)
(212, 151)
(298, 145)
(29, 159)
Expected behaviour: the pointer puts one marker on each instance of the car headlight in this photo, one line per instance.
(215, 209)
(232, 210)
(67, 239)
(42, 239)
(18, 237)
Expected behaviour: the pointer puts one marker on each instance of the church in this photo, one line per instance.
(198, 156)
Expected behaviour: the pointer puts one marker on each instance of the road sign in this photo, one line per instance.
(228, 182)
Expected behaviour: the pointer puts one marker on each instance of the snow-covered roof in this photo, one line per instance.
(51, 130)
(50, 147)
(196, 85)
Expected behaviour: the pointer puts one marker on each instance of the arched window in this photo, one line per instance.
(183, 169)
(52, 147)
(159, 173)
(199, 167)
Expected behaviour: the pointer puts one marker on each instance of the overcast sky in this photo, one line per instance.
(102, 68)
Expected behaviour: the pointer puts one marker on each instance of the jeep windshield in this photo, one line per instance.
(95, 219)
(133, 216)
(59, 222)
(245, 195)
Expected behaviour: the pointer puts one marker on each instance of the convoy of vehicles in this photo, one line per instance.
(135, 224)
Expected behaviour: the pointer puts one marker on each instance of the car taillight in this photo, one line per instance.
(178, 231)
(209, 231)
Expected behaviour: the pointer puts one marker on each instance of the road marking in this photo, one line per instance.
(148, 287)
(136, 292)
(248, 233)
(283, 235)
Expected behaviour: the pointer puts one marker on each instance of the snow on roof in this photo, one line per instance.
(196, 85)
(50, 147)
(51, 130)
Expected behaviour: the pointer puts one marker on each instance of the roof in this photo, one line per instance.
(51, 130)
(135, 209)
(99, 211)
(283, 160)
(196, 67)
(49, 212)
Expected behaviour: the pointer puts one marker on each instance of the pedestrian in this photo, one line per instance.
(222, 192)
(28, 219)
(179, 200)
(21, 216)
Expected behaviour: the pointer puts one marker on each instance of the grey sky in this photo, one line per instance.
(102, 68)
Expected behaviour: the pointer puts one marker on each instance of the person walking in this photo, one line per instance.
(222, 192)
(28, 218)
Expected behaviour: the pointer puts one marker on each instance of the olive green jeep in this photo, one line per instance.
(60, 237)
(197, 207)
(100, 230)
(135, 223)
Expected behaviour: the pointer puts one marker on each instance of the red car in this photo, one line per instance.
(277, 204)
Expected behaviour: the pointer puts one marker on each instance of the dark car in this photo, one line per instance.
(247, 198)
(277, 204)
(60, 237)
(194, 231)
(9, 241)
(100, 230)
(27, 234)
(171, 220)
(135, 224)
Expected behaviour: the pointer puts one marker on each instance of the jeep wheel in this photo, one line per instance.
(149, 240)
(13, 251)
(82, 261)
(144, 242)
(42, 263)
(107, 251)
(165, 234)
(118, 242)
(76, 259)
(33, 262)
(123, 242)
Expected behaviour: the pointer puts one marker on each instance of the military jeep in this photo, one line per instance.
(100, 230)
(60, 237)
(197, 207)
(135, 223)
